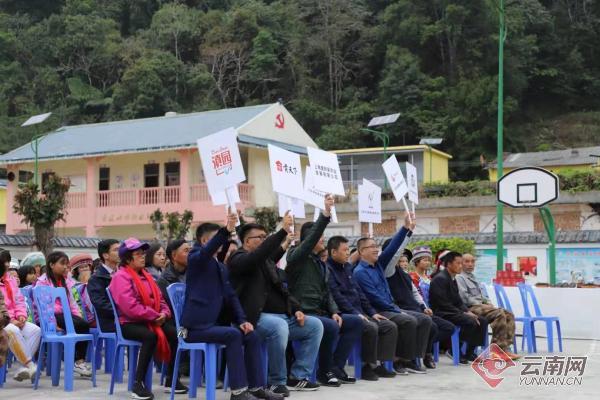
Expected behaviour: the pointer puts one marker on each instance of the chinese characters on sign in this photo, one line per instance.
(369, 202)
(326, 171)
(286, 172)
(221, 160)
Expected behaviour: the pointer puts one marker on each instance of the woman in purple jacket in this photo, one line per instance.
(142, 314)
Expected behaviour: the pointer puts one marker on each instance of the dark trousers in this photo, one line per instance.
(378, 341)
(149, 339)
(81, 326)
(441, 331)
(424, 323)
(243, 354)
(470, 331)
(337, 342)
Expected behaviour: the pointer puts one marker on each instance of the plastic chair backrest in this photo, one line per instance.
(502, 297)
(424, 291)
(45, 298)
(116, 314)
(176, 293)
(98, 327)
(484, 290)
(527, 293)
(27, 293)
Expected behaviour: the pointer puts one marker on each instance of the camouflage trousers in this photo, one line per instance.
(501, 321)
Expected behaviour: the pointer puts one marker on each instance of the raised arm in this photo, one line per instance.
(390, 268)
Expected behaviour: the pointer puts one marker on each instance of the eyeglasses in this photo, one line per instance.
(261, 237)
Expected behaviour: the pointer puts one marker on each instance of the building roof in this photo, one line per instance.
(576, 156)
(585, 236)
(391, 150)
(150, 134)
(58, 241)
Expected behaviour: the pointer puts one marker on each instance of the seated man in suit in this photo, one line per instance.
(502, 321)
(211, 307)
(446, 303)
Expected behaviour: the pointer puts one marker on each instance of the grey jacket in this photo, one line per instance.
(469, 290)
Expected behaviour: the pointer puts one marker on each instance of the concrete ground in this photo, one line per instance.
(447, 382)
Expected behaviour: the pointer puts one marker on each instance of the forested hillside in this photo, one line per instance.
(334, 63)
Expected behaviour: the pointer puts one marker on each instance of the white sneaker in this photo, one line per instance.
(22, 374)
(32, 370)
(82, 369)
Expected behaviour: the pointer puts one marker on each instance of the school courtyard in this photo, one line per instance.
(445, 383)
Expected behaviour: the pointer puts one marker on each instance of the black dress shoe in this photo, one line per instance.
(368, 374)
(383, 372)
(428, 361)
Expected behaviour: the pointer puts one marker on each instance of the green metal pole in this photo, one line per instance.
(500, 154)
(548, 220)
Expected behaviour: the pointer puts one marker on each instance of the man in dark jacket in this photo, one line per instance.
(211, 306)
(445, 302)
(269, 306)
(108, 251)
(379, 334)
(413, 330)
(177, 254)
(308, 277)
(408, 298)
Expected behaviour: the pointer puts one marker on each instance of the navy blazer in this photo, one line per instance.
(206, 298)
(96, 289)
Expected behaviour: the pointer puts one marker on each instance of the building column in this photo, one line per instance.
(184, 178)
(12, 219)
(90, 203)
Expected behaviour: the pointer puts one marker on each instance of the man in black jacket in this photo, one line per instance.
(445, 302)
(379, 333)
(269, 306)
(177, 254)
(108, 251)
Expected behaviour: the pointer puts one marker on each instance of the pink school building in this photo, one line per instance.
(122, 171)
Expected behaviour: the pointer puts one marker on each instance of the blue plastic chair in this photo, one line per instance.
(504, 302)
(454, 339)
(133, 348)
(176, 293)
(4, 369)
(527, 297)
(109, 339)
(44, 298)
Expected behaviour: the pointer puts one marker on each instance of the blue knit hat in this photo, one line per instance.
(420, 252)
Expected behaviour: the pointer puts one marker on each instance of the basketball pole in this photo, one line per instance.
(550, 230)
(500, 154)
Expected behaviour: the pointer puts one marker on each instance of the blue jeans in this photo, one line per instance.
(276, 330)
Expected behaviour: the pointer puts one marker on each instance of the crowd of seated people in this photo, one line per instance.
(309, 315)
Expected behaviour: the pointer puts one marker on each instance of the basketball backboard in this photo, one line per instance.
(528, 187)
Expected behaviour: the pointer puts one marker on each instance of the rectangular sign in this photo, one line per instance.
(395, 177)
(286, 172)
(314, 196)
(296, 206)
(326, 171)
(369, 202)
(412, 182)
(220, 198)
(221, 160)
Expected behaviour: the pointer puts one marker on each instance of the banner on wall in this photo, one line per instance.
(485, 265)
(578, 265)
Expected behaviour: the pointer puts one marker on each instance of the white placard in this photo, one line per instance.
(220, 198)
(326, 171)
(312, 195)
(296, 206)
(395, 177)
(221, 160)
(412, 182)
(286, 172)
(369, 202)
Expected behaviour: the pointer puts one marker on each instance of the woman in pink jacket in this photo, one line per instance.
(142, 315)
(57, 263)
(23, 337)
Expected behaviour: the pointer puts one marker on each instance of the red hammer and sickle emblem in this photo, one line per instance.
(279, 121)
